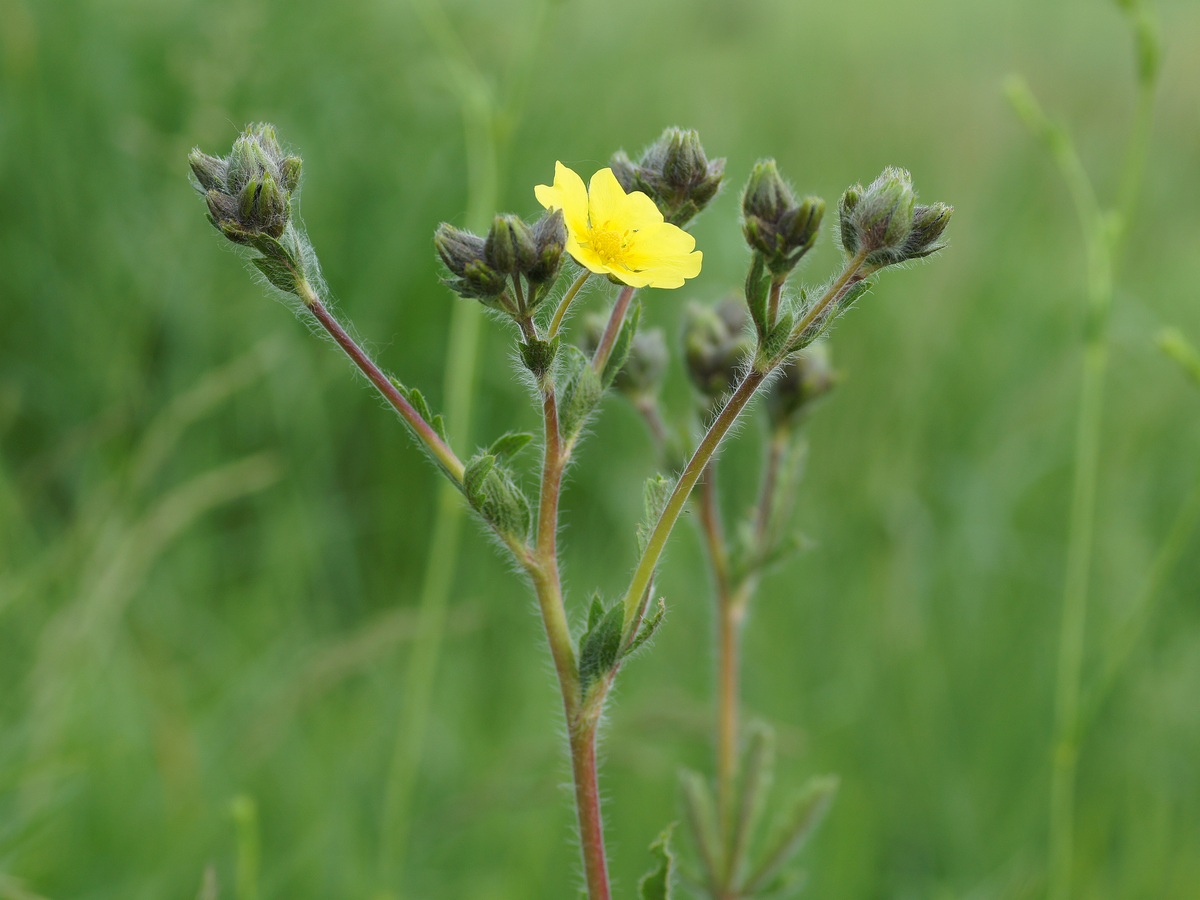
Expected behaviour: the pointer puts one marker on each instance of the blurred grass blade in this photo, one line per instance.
(1175, 344)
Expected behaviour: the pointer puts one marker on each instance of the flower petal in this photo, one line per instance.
(640, 212)
(568, 194)
(606, 201)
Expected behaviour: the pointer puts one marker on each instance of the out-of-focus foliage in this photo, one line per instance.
(211, 536)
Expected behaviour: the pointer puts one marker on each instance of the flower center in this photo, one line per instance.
(608, 245)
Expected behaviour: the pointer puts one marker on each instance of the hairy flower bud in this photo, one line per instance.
(674, 172)
(716, 347)
(249, 193)
(465, 256)
(775, 225)
(803, 380)
(210, 171)
(510, 247)
(884, 222)
(549, 239)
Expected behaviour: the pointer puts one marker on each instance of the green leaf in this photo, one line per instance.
(622, 346)
(595, 611)
(807, 813)
(539, 355)
(509, 445)
(758, 293)
(600, 647)
(702, 822)
(649, 627)
(476, 471)
(654, 500)
(276, 272)
(775, 344)
(493, 492)
(580, 392)
(656, 884)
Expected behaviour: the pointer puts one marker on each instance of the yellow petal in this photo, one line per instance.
(640, 212)
(606, 201)
(568, 194)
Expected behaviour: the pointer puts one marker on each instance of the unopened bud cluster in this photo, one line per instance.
(716, 346)
(491, 269)
(884, 223)
(249, 192)
(777, 225)
(674, 172)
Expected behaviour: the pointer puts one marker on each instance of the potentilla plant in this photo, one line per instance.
(625, 227)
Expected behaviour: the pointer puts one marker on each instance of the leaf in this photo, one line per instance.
(276, 272)
(621, 347)
(476, 471)
(509, 445)
(580, 393)
(648, 629)
(702, 822)
(600, 647)
(758, 292)
(417, 401)
(756, 763)
(807, 813)
(656, 884)
(595, 611)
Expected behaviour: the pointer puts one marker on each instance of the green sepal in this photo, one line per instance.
(621, 347)
(758, 293)
(507, 446)
(580, 393)
(654, 499)
(656, 884)
(277, 272)
(600, 646)
(648, 629)
(538, 355)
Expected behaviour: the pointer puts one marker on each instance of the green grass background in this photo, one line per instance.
(212, 536)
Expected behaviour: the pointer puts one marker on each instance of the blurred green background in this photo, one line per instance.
(212, 537)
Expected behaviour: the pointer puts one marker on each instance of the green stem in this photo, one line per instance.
(683, 488)
(561, 311)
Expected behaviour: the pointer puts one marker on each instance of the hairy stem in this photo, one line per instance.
(683, 488)
(423, 431)
(612, 329)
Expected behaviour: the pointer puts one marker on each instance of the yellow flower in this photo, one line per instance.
(623, 235)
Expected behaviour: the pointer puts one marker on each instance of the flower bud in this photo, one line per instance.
(803, 380)
(883, 221)
(716, 347)
(776, 226)
(674, 172)
(210, 171)
(249, 193)
(510, 247)
(549, 239)
(465, 256)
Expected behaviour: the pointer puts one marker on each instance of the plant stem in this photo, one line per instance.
(711, 441)
(613, 328)
(776, 291)
(581, 728)
(708, 502)
(561, 311)
(683, 488)
(423, 431)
